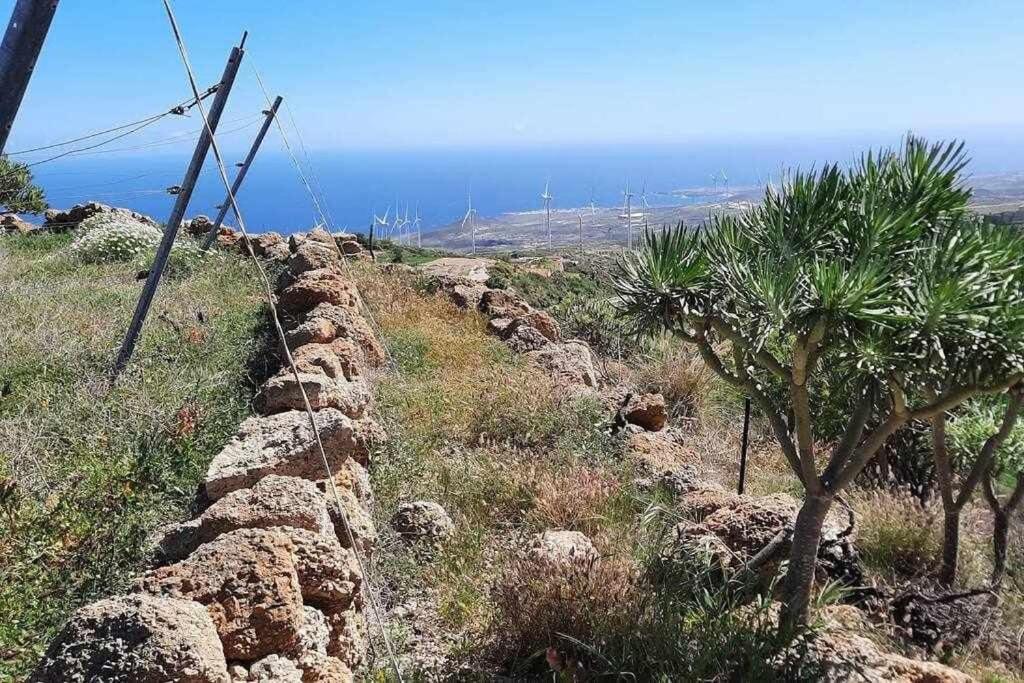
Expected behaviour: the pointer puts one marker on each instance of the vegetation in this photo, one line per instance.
(18, 193)
(877, 273)
(87, 469)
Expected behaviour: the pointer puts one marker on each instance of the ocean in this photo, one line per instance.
(355, 184)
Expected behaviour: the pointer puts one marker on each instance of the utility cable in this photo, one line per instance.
(268, 290)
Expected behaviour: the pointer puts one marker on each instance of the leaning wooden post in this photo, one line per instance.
(270, 114)
(178, 212)
(30, 22)
(743, 445)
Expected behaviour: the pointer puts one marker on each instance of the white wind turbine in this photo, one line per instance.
(470, 217)
(593, 208)
(643, 203)
(628, 208)
(382, 221)
(416, 225)
(546, 198)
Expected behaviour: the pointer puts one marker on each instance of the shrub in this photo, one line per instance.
(17, 191)
(112, 238)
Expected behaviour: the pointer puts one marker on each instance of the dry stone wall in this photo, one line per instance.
(263, 585)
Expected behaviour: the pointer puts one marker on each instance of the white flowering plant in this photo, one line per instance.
(113, 238)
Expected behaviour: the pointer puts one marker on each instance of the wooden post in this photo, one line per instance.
(178, 212)
(30, 22)
(270, 114)
(743, 445)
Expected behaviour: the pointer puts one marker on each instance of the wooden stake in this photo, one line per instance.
(178, 212)
(743, 445)
(270, 114)
(30, 22)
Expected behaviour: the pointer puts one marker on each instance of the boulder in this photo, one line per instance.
(326, 323)
(457, 267)
(323, 286)
(312, 255)
(847, 656)
(61, 221)
(328, 573)
(12, 223)
(568, 363)
(264, 241)
(467, 296)
(360, 524)
(274, 501)
(283, 444)
(323, 358)
(198, 226)
(322, 236)
(349, 642)
(316, 631)
(275, 669)
(352, 476)
(501, 303)
(136, 639)
(248, 583)
(422, 521)
(277, 252)
(692, 546)
(522, 337)
(320, 668)
(282, 392)
(228, 238)
(561, 549)
(647, 411)
(350, 247)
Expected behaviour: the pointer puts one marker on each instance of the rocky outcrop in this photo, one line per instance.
(647, 411)
(569, 364)
(265, 583)
(12, 223)
(62, 221)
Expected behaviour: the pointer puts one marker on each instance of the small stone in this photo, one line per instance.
(422, 521)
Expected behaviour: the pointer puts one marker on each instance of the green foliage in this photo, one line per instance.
(972, 426)
(111, 238)
(17, 191)
(94, 468)
(597, 322)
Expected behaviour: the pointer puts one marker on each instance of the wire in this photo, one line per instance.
(176, 109)
(268, 290)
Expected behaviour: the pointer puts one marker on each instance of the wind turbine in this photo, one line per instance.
(383, 222)
(644, 204)
(416, 224)
(579, 217)
(593, 209)
(470, 217)
(546, 198)
(628, 206)
(725, 181)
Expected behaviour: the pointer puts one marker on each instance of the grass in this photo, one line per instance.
(90, 469)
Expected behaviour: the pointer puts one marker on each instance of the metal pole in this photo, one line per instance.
(743, 445)
(30, 22)
(178, 212)
(271, 113)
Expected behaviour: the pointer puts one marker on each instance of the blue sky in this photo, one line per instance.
(472, 74)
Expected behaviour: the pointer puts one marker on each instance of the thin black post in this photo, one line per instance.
(270, 114)
(743, 445)
(178, 212)
(30, 22)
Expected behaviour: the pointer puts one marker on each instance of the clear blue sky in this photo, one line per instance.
(471, 73)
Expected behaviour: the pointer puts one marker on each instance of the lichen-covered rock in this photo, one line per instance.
(422, 521)
(264, 241)
(315, 633)
(320, 668)
(360, 524)
(136, 639)
(569, 364)
(693, 546)
(659, 456)
(248, 583)
(312, 255)
(328, 573)
(467, 296)
(350, 247)
(277, 252)
(559, 548)
(523, 337)
(314, 287)
(282, 392)
(647, 411)
(274, 501)
(349, 642)
(352, 476)
(848, 657)
(501, 303)
(275, 669)
(323, 358)
(283, 444)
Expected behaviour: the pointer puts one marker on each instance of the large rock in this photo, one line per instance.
(325, 359)
(136, 639)
(467, 296)
(422, 521)
(521, 336)
(560, 549)
(647, 411)
(275, 669)
(501, 303)
(311, 255)
(327, 323)
(328, 573)
(358, 521)
(274, 501)
(284, 392)
(248, 582)
(12, 223)
(323, 286)
(569, 364)
(61, 221)
(457, 267)
(320, 668)
(283, 444)
(198, 226)
(349, 641)
(264, 241)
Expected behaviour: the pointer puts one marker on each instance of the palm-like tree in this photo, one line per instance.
(878, 275)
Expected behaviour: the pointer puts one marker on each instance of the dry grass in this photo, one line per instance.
(898, 537)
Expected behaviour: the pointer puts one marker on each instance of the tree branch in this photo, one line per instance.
(988, 451)
(852, 435)
(762, 356)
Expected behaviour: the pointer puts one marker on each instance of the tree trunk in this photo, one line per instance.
(1000, 536)
(802, 560)
(950, 546)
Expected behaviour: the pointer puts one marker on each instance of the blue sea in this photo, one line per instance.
(354, 184)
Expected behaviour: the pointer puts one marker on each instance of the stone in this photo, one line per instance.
(228, 238)
(660, 456)
(12, 223)
(422, 521)
(647, 410)
(326, 323)
(315, 632)
(693, 546)
(846, 657)
(198, 226)
(522, 337)
(277, 252)
(352, 476)
(312, 255)
(283, 444)
(62, 221)
(320, 668)
(264, 241)
(349, 642)
(323, 286)
(295, 239)
(569, 364)
(360, 524)
(350, 247)
(136, 639)
(275, 669)
(274, 501)
(501, 303)
(321, 358)
(247, 581)
(282, 392)
(322, 236)
(457, 267)
(329, 575)
(561, 549)
(467, 297)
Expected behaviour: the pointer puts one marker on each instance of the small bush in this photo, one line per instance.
(578, 498)
(897, 535)
(112, 238)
